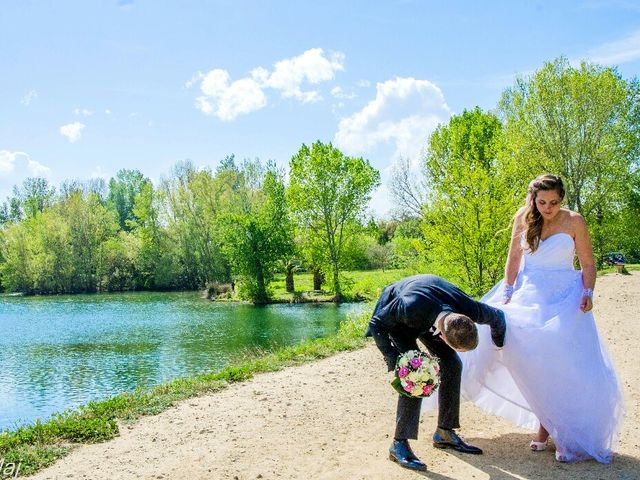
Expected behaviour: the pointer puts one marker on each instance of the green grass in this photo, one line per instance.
(40, 444)
(633, 267)
(356, 285)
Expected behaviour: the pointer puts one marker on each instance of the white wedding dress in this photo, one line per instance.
(554, 368)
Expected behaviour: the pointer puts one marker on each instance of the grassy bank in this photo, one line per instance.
(356, 286)
(38, 445)
(627, 268)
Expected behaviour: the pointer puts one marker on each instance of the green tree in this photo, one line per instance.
(90, 224)
(327, 190)
(470, 203)
(257, 231)
(156, 261)
(34, 196)
(123, 189)
(581, 123)
(194, 204)
(16, 254)
(116, 263)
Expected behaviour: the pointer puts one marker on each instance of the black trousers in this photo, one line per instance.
(408, 411)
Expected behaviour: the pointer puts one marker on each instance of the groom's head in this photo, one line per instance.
(459, 332)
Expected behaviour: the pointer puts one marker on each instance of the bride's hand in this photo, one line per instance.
(586, 304)
(507, 293)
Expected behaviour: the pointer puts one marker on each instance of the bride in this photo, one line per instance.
(554, 373)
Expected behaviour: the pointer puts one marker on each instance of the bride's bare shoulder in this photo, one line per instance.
(573, 217)
(575, 221)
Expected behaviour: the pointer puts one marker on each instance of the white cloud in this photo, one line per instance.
(194, 79)
(404, 113)
(363, 83)
(73, 131)
(339, 92)
(107, 111)
(84, 112)
(38, 169)
(29, 97)
(227, 99)
(312, 66)
(9, 161)
(617, 52)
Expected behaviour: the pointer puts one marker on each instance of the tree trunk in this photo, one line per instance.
(261, 294)
(289, 279)
(318, 279)
(336, 285)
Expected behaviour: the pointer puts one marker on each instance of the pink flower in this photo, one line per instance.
(416, 362)
(409, 386)
(403, 372)
(427, 389)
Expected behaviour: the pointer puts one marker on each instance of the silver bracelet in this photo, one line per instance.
(507, 292)
(587, 292)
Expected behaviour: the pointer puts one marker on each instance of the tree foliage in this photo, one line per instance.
(257, 233)
(582, 123)
(470, 201)
(327, 190)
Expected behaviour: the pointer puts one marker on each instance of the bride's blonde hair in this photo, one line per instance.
(532, 219)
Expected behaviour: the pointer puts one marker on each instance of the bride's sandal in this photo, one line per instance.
(538, 446)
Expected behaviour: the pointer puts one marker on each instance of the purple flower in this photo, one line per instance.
(409, 386)
(427, 389)
(403, 372)
(416, 362)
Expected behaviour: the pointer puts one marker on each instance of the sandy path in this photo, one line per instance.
(305, 422)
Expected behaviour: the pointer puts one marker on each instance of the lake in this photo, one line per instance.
(58, 352)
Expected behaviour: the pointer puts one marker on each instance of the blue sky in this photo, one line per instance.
(90, 87)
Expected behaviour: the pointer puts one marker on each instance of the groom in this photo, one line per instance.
(442, 316)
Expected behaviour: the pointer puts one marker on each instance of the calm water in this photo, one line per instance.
(60, 352)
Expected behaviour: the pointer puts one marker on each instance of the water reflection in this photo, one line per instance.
(60, 352)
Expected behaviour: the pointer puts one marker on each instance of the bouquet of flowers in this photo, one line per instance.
(417, 374)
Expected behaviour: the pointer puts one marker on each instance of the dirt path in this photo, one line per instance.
(313, 422)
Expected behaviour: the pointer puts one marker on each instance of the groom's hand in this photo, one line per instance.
(499, 329)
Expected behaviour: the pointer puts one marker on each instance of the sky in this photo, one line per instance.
(91, 87)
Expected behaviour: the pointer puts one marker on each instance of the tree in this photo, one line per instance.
(35, 195)
(90, 223)
(327, 190)
(582, 123)
(156, 264)
(407, 189)
(123, 189)
(471, 201)
(257, 231)
(194, 203)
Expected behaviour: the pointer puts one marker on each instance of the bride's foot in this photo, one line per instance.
(539, 443)
(561, 457)
(538, 446)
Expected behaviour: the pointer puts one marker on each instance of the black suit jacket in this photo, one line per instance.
(407, 309)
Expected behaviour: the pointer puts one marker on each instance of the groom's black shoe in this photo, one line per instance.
(401, 453)
(444, 438)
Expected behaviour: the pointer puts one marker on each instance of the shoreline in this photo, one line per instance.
(314, 421)
(39, 444)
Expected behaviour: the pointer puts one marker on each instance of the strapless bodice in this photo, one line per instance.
(554, 253)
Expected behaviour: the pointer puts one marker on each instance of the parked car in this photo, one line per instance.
(612, 258)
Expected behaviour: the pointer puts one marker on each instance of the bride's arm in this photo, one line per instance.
(514, 257)
(584, 251)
